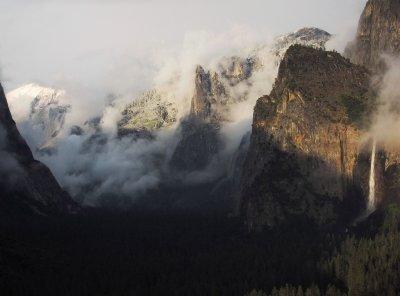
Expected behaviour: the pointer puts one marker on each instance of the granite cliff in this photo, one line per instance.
(378, 33)
(304, 160)
(26, 184)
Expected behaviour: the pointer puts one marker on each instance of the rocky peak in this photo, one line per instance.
(319, 74)
(44, 107)
(152, 111)
(305, 140)
(212, 89)
(209, 95)
(214, 94)
(237, 69)
(378, 32)
(199, 131)
(308, 36)
(201, 100)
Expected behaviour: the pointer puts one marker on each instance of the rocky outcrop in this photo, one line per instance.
(149, 113)
(214, 96)
(209, 95)
(26, 184)
(378, 33)
(305, 140)
(198, 144)
(236, 69)
(199, 131)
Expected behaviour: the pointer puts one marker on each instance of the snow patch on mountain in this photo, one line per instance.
(308, 36)
(39, 110)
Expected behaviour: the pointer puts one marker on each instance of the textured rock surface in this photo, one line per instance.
(151, 112)
(213, 98)
(305, 139)
(198, 145)
(26, 183)
(378, 32)
(199, 131)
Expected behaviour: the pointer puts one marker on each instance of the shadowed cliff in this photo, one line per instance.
(304, 153)
(26, 184)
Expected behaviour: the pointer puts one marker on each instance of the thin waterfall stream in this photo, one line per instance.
(372, 181)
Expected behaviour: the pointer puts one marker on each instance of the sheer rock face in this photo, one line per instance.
(236, 69)
(387, 178)
(199, 131)
(198, 145)
(212, 99)
(305, 140)
(25, 183)
(209, 94)
(378, 32)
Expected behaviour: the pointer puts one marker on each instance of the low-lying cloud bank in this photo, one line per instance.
(75, 131)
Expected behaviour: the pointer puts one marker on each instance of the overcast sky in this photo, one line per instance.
(48, 41)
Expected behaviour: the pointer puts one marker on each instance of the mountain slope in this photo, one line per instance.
(151, 112)
(26, 183)
(378, 33)
(303, 157)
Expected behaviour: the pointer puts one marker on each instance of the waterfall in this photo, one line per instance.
(371, 196)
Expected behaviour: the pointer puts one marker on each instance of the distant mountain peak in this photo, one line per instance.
(34, 90)
(308, 36)
(45, 107)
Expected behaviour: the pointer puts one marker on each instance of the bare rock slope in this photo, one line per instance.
(303, 159)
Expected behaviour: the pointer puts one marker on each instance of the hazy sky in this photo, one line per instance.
(51, 41)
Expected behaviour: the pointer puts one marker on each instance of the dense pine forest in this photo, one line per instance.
(106, 253)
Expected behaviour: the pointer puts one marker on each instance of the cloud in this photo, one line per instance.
(109, 41)
(386, 122)
(111, 53)
(99, 163)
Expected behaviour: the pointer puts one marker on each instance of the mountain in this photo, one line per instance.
(43, 109)
(304, 158)
(308, 36)
(198, 146)
(26, 184)
(150, 112)
(378, 33)
(214, 95)
(199, 131)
